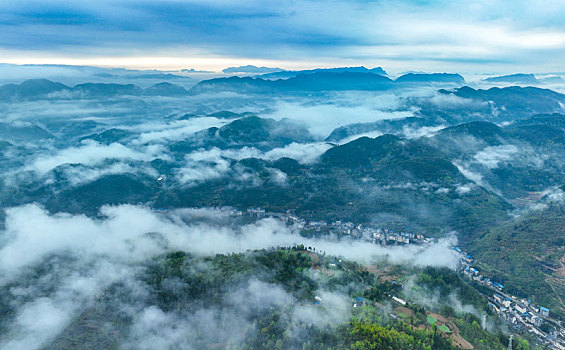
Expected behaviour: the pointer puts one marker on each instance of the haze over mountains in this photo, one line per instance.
(455, 124)
(138, 185)
(282, 175)
(310, 81)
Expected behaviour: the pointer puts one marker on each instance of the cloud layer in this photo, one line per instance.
(414, 33)
(81, 257)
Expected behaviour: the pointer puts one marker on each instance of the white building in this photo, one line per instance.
(520, 308)
(398, 300)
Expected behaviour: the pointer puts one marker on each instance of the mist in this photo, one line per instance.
(96, 192)
(323, 116)
(84, 256)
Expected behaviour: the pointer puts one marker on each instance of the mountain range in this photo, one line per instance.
(473, 166)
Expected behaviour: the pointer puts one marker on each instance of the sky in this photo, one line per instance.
(502, 36)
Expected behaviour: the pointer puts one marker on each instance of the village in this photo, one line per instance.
(521, 314)
(339, 229)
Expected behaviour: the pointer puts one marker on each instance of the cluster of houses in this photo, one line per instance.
(376, 235)
(465, 263)
(515, 311)
(520, 314)
(476, 276)
(257, 212)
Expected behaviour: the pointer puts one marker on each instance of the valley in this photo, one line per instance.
(174, 201)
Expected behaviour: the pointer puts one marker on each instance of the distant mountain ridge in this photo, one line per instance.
(322, 81)
(34, 89)
(431, 77)
(248, 130)
(519, 78)
(514, 101)
(30, 89)
(283, 74)
(251, 69)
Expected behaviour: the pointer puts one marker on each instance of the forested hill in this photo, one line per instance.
(285, 298)
(528, 254)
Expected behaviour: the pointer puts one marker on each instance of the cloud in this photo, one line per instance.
(204, 165)
(473, 176)
(278, 177)
(154, 327)
(425, 131)
(81, 257)
(322, 118)
(433, 299)
(464, 189)
(39, 317)
(123, 234)
(91, 153)
(173, 131)
(448, 34)
(491, 156)
(77, 175)
(305, 153)
(371, 134)
(334, 309)
(553, 194)
(214, 163)
(44, 305)
(56, 110)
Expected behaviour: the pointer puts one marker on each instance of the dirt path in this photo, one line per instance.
(457, 339)
(561, 270)
(550, 281)
(314, 256)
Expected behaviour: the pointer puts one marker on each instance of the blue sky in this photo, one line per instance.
(444, 35)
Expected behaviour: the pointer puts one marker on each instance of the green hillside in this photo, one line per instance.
(528, 254)
(182, 285)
